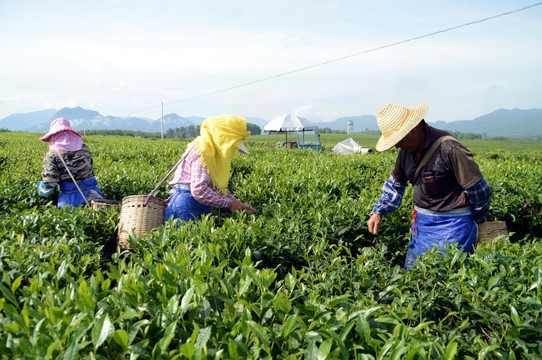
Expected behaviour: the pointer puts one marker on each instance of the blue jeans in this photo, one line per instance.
(431, 230)
(182, 205)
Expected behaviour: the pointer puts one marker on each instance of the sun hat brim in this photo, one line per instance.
(396, 121)
(58, 125)
(47, 137)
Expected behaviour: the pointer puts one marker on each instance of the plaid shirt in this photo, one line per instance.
(192, 173)
(480, 197)
(392, 195)
(391, 198)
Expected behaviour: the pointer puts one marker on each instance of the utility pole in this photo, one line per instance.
(162, 123)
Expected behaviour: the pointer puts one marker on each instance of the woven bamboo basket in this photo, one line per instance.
(489, 230)
(108, 204)
(137, 218)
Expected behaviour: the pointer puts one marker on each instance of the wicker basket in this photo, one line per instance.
(137, 218)
(108, 204)
(489, 230)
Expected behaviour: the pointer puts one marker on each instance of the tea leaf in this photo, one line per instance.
(363, 329)
(16, 284)
(103, 329)
(451, 350)
(312, 351)
(515, 316)
(121, 337)
(324, 348)
(290, 282)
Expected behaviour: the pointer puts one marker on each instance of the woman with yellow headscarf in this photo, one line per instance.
(201, 179)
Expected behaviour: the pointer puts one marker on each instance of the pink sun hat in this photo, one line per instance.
(57, 126)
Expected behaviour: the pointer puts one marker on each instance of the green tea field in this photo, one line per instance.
(300, 279)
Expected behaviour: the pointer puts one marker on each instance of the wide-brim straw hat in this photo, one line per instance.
(396, 121)
(57, 126)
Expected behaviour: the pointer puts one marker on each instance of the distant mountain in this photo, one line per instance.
(507, 123)
(20, 122)
(174, 121)
(252, 120)
(359, 123)
(82, 119)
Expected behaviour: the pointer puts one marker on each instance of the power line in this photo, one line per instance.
(342, 58)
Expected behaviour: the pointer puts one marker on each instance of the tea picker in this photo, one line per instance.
(200, 182)
(95, 202)
(68, 166)
(451, 195)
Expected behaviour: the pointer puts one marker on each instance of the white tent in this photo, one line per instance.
(290, 122)
(350, 146)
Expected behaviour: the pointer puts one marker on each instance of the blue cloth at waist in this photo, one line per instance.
(455, 212)
(182, 205)
(70, 196)
(69, 186)
(439, 230)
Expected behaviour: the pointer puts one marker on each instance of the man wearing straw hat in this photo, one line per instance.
(67, 165)
(203, 173)
(450, 193)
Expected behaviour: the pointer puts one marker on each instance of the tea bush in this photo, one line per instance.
(301, 278)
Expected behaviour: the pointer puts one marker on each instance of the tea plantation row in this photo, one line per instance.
(302, 278)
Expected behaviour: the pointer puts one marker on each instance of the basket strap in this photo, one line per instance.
(164, 179)
(430, 152)
(69, 172)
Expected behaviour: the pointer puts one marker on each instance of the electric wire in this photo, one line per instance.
(342, 58)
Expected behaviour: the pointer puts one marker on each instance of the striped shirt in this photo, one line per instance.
(192, 173)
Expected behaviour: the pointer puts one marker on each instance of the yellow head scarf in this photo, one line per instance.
(218, 143)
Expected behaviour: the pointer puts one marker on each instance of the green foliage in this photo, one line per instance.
(183, 132)
(302, 278)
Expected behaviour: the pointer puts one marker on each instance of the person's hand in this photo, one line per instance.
(374, 223)
(237, 205)
(44, 189)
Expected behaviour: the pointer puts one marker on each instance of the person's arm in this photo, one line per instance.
(390, 200)
(49, 176)
(202, 190)
(479, 197)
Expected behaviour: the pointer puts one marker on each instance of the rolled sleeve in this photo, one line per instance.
(391, 198)
(479, 197)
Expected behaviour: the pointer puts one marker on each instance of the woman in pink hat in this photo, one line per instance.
(67, 160)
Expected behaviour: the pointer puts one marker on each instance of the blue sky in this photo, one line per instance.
(124, 58)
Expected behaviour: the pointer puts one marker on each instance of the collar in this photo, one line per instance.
(427, 139)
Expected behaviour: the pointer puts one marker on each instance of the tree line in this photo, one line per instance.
(183, 132)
